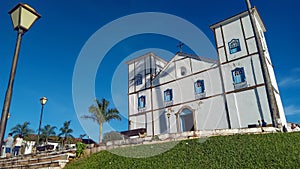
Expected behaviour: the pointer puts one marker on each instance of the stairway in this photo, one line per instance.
(49, 160)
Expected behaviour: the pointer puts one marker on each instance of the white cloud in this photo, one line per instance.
(292, 110)
(289, 81)
(296, 70)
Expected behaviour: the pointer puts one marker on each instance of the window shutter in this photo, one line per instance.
(139, 79)
(243, 75)
(233, 76)
(203, 87)
(171, 94)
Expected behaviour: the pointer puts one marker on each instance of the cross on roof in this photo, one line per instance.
(180, 46)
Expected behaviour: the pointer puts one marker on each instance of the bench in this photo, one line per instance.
(141, 132)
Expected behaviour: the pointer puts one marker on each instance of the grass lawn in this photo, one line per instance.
(278, 150)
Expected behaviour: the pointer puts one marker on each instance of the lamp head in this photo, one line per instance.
(43, 100)
(23, 16)
(168, 114)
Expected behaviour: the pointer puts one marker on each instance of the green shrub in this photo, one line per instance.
(80, 147)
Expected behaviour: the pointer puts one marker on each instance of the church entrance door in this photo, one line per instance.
(186, 120)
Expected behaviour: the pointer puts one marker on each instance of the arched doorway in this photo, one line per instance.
(186, 120)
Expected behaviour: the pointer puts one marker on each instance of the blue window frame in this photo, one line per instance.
(139, 79)
(199, 86)
(141, 102)
(238, 75)
(234, 46)
(168, 95)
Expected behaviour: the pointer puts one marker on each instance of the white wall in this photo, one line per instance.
(212, 81)
(234, 31)
(183, 64)
(210, 113)
(251, 70)
(198, 65)
(244, 107)
(281, 110)
(131, 81)
(247, 26)
(132, 106)
(140, 69)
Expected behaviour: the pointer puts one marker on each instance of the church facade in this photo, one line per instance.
(190, 93)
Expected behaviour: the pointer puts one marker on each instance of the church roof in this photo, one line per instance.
(186, 55)
(144, 56)
(200, 58)
(240, 15)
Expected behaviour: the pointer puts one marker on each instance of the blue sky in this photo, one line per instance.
(50, 49)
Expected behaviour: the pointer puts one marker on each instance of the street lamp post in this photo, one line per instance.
(168, 116)
(23, 16)
(43, 101)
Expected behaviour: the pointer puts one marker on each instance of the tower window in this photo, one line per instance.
(238, 75)
(141, 102)
(139, 79)
(234, 46)
(239, 78)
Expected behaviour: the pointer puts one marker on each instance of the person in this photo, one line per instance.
(263, 123)
(294, 127)
(284, 129)
(260, 125)
(18, 144)
(8, 144)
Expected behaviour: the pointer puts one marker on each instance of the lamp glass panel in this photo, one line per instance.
(15, 17)
(27, 18)
(43, 100)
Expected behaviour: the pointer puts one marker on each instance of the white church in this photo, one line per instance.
(192, 93)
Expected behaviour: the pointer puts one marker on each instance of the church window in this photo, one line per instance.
(238, 75)
(183, 71)
(199, 86)
(234, 46)
(139, 79)
(141, 102)
(168, 95)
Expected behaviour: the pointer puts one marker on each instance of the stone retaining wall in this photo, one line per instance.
(178, 136)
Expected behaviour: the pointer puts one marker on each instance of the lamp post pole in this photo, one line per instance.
(23, 16)
(8, 95)
(168, 116)
(43, 101)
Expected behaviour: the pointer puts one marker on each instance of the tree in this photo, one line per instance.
(48, 131)
(101, 114)
(81, 136)
(65, 131)
(22, 129)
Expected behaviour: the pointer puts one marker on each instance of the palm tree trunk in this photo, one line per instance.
(100, 137)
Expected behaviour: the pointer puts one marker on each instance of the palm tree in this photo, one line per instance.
(81, 136)
(22, 129)
(48, 131)
(101, 114)
(66, 131)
